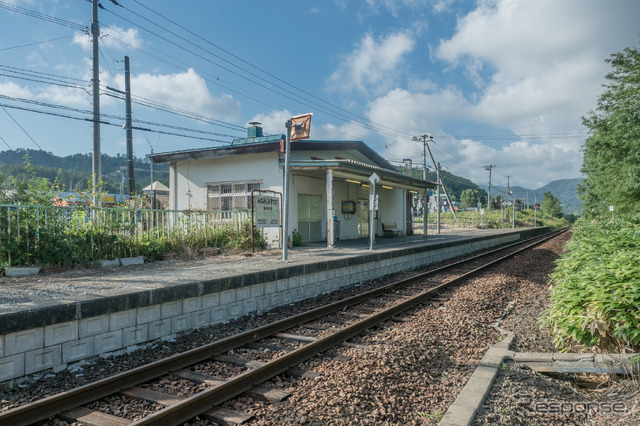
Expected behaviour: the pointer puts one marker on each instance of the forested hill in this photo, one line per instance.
(454, 184)
(74, 171)
(564, 189)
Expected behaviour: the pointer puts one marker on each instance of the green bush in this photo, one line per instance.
(595, 288)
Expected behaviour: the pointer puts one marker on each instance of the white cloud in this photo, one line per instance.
(15, 91)
(67, 96)
(374, 65)
(537, 67)
(113, 37)
(545, 59)
(274, 123)
(419, 112)
(348, 131)
(186, 90)
(393, 6)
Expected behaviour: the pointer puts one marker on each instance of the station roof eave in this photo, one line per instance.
(356, 171)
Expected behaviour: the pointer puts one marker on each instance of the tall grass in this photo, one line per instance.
(595, 288)
(69, 236)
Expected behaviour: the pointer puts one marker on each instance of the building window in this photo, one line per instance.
(228, 196)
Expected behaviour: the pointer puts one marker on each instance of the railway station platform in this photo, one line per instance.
(50, 320)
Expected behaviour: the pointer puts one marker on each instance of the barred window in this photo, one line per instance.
(228, 196)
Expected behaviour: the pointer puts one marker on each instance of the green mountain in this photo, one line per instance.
(455, 184)
(74, 171)
(564, 189)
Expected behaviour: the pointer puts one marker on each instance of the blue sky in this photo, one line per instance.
(500, 82)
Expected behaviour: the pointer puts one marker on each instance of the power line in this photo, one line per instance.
(42, 16)
(254, 66)
(5, 142)
(36, 43)
(55, 114)
(22, 128)
(302, 101)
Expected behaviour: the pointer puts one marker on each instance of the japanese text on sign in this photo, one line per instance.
(267, 210)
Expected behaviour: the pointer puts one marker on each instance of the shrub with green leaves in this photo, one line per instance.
(595, 288)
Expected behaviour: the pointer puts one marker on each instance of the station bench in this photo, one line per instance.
(391, 229)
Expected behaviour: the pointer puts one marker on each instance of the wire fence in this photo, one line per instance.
(463, 223)
(55, 235)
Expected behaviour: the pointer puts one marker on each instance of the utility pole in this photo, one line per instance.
(508, 193)
(97, 172)
(489, 167)
(438, 200)
(127, 95)
(514, 205)
(409, 163)
(285, 201)
(424, 139)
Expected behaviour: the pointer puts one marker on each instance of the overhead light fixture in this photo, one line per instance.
(387, 187)
(353, 181)
(413, 192)
(365, 185)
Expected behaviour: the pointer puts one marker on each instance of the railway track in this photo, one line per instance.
(281, 345)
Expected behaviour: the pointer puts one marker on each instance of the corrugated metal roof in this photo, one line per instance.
(261, 139)
(348, 164)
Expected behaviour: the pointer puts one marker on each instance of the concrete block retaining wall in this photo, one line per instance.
(80, 330)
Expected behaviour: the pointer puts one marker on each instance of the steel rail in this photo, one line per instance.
(205, 400)
(55, 404)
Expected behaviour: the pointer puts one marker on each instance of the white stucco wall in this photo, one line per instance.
(191, 176)
(188, 189)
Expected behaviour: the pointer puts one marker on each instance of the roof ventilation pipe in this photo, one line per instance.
(254, 130)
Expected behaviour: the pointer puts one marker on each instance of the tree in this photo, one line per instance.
(611, 160)
(469, 198)
(551, 205)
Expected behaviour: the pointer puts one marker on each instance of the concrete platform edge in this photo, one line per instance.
(50, 338)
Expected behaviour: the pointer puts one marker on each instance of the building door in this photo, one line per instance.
(363, 218)
(310, 217)
(409, 214)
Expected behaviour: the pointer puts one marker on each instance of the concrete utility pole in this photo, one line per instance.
(489, 167)
(409, 163)
(127, 93)
(97, 172)
(440, 184)
(508, 193)
(285, 202)
(438, 199)
(424, 139)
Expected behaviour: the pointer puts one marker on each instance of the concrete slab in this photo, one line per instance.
(109, 263)
(464, 408)
(21, 271)
(127, 261)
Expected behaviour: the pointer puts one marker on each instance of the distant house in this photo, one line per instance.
(329, 183)
(158, 195)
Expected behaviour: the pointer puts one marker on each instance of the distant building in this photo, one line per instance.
(329, 183)
(158, 194)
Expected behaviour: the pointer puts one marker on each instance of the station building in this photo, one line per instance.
(329, 190)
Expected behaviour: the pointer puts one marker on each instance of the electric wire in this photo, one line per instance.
(300, 100)
(36, 43)
(359, 117)
(22, 128)
(5, 142)
(42, 16)
(55, 114)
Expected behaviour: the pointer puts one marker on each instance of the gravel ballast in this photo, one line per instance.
(403, 372)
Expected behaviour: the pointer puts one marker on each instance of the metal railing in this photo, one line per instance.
(27, 232)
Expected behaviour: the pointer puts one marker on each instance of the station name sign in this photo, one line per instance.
(267, 210)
